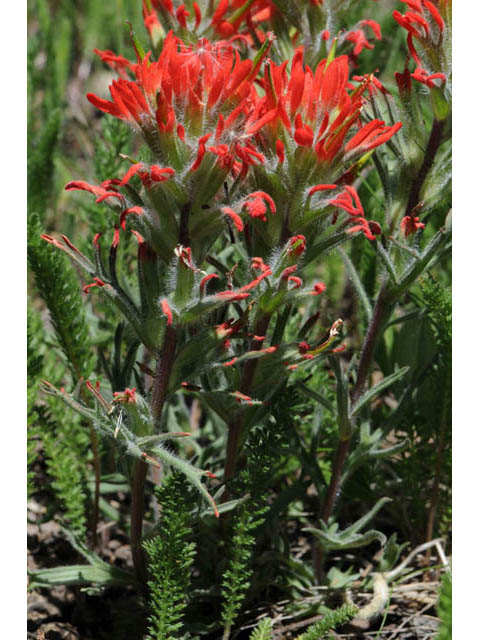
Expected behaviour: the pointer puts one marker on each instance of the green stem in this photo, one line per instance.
(439, 465)
(97, 470)
(235, 429)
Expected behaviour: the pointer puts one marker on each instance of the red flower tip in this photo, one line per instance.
(231, 296)
(234, 217)
(139, 237)
(132, 171)
(230, 363)
(348, 201)
(95, 240)
(128, 396)
(259, 265)
(286, 273)
(116, 237)
(123, 216)
(318, 288)
(280, 151)
(101, 193)
(296, 245)
(411, 224)
(255, 205)
(374, 26)
(181, 132)
(167, 311)
(97, 283)
(258, 338)
(271, 349)
(201, 152)
(205, 280)
(181, 15)
(375, 228)
(321, 187)
(241, 396)
(303, 347)
(184, 255)
(296, 281)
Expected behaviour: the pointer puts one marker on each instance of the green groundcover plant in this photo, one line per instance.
(259, 349)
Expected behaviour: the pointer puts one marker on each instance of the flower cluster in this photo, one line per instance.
(428, 25)
(206, 122)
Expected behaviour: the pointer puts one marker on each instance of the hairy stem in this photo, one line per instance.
(433, 145)
(235, 429)
(162, 373)
(370, 342)
(432, 511)
(159, 394)
(366, 357)
(140, 469)
(97, 471)
(382, 308)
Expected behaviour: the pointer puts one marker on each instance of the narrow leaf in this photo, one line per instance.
(376, 389)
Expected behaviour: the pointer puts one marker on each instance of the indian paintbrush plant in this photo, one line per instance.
(262, 150)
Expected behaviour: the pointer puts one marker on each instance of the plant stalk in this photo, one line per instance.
(432, 511)
(366, 357)
(235, 429)
(140, 469)
(97, 471)
(382, 308)
(433, 145)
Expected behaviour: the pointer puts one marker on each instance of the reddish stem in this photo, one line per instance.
(140, 469)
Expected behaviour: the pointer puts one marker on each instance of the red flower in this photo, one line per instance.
(117, 63)
(411, 224)
(349, 201)
(425, 23)
(101, 192)
(318, 288)
(256, 205)
(193, 92)
(167, 311)
(296, 245)
(358, 37)
(317, 110)
(128, 396)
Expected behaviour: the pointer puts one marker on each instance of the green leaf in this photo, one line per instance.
(357, 283)
(263, 630)
(343, 400)
(376, 389)
(354, 541)
(80, 575)
(361, 522)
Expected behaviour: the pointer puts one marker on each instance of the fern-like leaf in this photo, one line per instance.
(171, 556)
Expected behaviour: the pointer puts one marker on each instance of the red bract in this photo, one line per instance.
(191, 93)
(426, 25)
(100, 192)
(411, 224)
(317, 110)
(350, 202)
(256, 205)
(226, 21)
(360, 40)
